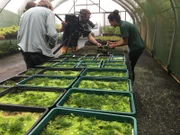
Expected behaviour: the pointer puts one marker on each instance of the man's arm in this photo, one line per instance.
(122, 42)
(93, 40)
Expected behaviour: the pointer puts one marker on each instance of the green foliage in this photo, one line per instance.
(12, 81)
(113, 66)
(108, 38)
(9, 31)
(17, 123)
(2, 89)
(88, 58)
(115, 62)
(118, 58)
(8, 47)
(49, 82)
(110, 30)
(66, 65)
(30, 98)
(31, 71)
(105, 85)
(116, 103)
(107, 73)
(47, 64)
(88, 65)
(79, 125)
(102, 58)
(62, 73)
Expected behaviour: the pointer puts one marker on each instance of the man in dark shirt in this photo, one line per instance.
(73, 30)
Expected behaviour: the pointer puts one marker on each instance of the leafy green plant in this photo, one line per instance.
(50, 82)
(113, 66)
(64, 65)
(62, 72)
(12, 81)
(102, 58)
(2, 89)
(115, 62)
(30, 98)
(31, 71)
(107, 73)
(105, 85)
(108, 38)
(118, 58)
(79, 125)
(115, 103)
(88, 65)
(17, 123)
(88, 58)
(47, 64)
(8, 47)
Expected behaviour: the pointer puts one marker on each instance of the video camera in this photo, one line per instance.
(81, 28)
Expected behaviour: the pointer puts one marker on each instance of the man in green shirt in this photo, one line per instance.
(130, 36)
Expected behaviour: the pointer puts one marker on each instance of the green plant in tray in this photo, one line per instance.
(107, 73)
(67, 65)
(47, 64)
(62, 73)
(79, 125)
(114, 66)
(115, 103)
(105, 85)
(17, 123)
(50, 82)
(12, 81)
(2, 89)
(86, 65)
(31, 71)
(30, 98)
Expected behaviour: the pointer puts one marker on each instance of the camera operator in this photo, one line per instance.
(73, 28)
(37, 34)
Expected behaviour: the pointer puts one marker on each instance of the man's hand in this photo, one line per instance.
(111, 44)
(98, 44)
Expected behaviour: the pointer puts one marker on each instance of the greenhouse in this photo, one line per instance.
(89, 67)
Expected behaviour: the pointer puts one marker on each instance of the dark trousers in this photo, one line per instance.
(33, 59)
(133, 57)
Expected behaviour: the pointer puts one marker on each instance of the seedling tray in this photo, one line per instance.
(3, 88)
(104, 83)
(30, 96)
(86, 58)
(118, 57)
(64, 65)
(25, 118)
(99, 101)
(75, 58)
(103, 72)
(89, 64)
(103, 57)
(87, 116)
(67, 61)
(47, 64)
(63, 82)
(114, 62)
(113, 66)
(31, 71)
(62, 71)
(12, 81)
